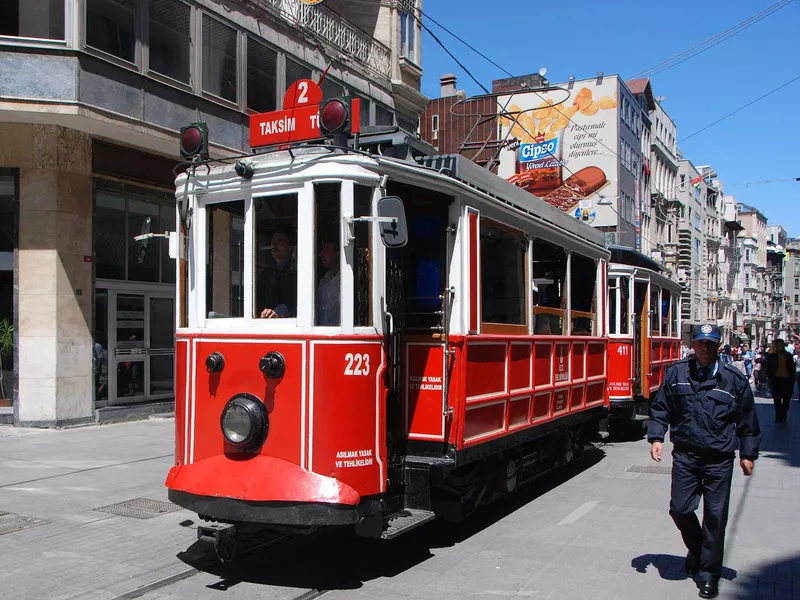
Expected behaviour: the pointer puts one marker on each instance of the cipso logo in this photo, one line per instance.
(532, 152)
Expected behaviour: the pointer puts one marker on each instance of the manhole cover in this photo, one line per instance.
(140, 508)
(9, 522)
(649, 469)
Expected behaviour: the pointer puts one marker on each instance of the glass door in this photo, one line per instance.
(130, 351)
(160, 373)
(141, 339)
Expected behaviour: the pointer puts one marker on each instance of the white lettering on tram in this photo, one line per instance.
(353, 458)
(280, 125)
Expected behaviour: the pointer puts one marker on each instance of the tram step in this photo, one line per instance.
(405, 521)
(432, 461)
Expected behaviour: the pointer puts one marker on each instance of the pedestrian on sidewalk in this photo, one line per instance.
(747, 357)
(781, 372)
(797, 369)
(699, 396)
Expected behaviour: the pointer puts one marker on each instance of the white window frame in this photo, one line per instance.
(70, 12)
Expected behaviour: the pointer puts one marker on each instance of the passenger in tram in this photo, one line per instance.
(277, 283)
(328, 298)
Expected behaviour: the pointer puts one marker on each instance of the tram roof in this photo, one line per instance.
(634, 258)
(449, 166)
(484, 180)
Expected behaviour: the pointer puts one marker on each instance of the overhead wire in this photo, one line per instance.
(698, 49)
(741, 108)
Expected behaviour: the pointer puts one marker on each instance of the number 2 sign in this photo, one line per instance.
(302, 93)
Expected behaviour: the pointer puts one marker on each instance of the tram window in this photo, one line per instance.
(503, 275)
(665, 306)
(225, 261)
(624, 305)
(613, 292)
(583, 288)
(276, 256)
(327, 298)
(655, 315)
(674, 313)
(362, 272)
(549, 299)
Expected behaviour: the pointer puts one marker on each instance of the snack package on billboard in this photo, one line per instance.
(539, 163)
(577, 187)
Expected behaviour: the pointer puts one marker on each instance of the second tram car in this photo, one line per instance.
(328, 375)
(644, 331)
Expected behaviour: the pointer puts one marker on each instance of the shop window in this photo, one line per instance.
(42, 19)
(219, 59)
(276, 256)
(295, 72)
(170, 39)
(110, 244)
(142, 266)
(331, 89)
(548, 284)
(583, 290)
(383, 116)
(655, 313)
(225, 260)
(503, 254)
(262, 83)
(362, 270)
(8, 243)
(110, 27)
(327, 282)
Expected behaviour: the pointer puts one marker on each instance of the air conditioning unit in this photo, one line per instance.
(435, 135)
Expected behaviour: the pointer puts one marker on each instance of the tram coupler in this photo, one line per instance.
(222, 537)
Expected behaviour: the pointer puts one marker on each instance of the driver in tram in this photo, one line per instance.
(277, 283)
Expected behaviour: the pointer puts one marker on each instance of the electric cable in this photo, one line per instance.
(711, 42)
(741, 108)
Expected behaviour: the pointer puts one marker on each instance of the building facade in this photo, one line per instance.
(94, 93)
(730, 258)
(754, 273)
(792, 288)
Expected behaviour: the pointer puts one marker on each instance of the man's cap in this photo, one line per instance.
(706, 332)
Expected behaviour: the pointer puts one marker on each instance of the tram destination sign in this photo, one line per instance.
(297, 121)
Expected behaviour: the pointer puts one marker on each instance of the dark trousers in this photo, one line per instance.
(782, 388)
(694, 476)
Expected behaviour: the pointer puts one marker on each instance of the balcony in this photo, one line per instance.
(334, 30)
(666, 154)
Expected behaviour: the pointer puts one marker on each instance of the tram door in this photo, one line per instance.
(415, 283)
(639, 335)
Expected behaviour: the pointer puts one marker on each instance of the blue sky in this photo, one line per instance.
(583, 37)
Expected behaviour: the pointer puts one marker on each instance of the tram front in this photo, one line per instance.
(281, 355)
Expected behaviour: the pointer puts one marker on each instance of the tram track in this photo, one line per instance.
(207, 564)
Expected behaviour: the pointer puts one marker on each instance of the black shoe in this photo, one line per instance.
(692, 564)
(708, 589)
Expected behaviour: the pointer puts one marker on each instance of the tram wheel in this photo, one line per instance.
(225, 548)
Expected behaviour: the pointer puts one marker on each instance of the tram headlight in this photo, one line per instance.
(245, 422)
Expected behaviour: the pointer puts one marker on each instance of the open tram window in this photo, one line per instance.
(503, 256)
(548, 285)
(225, 261)
(328, 286)
(666, 304)
(583, 289)
(624, 305)
(362, 273)
(655, 304)
(275, 256)
(674, 313)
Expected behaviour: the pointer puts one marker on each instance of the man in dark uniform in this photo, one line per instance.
(709, 407)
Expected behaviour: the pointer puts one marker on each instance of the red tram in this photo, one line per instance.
(331, 374)
(644, 331)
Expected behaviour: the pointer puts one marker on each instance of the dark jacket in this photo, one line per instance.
(771, 364)
(712, 418)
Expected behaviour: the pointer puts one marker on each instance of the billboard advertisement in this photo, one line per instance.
(564, 146)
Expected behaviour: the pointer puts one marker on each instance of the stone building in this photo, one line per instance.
(93, 95)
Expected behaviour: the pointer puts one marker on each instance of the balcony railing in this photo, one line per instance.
(334, 30)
